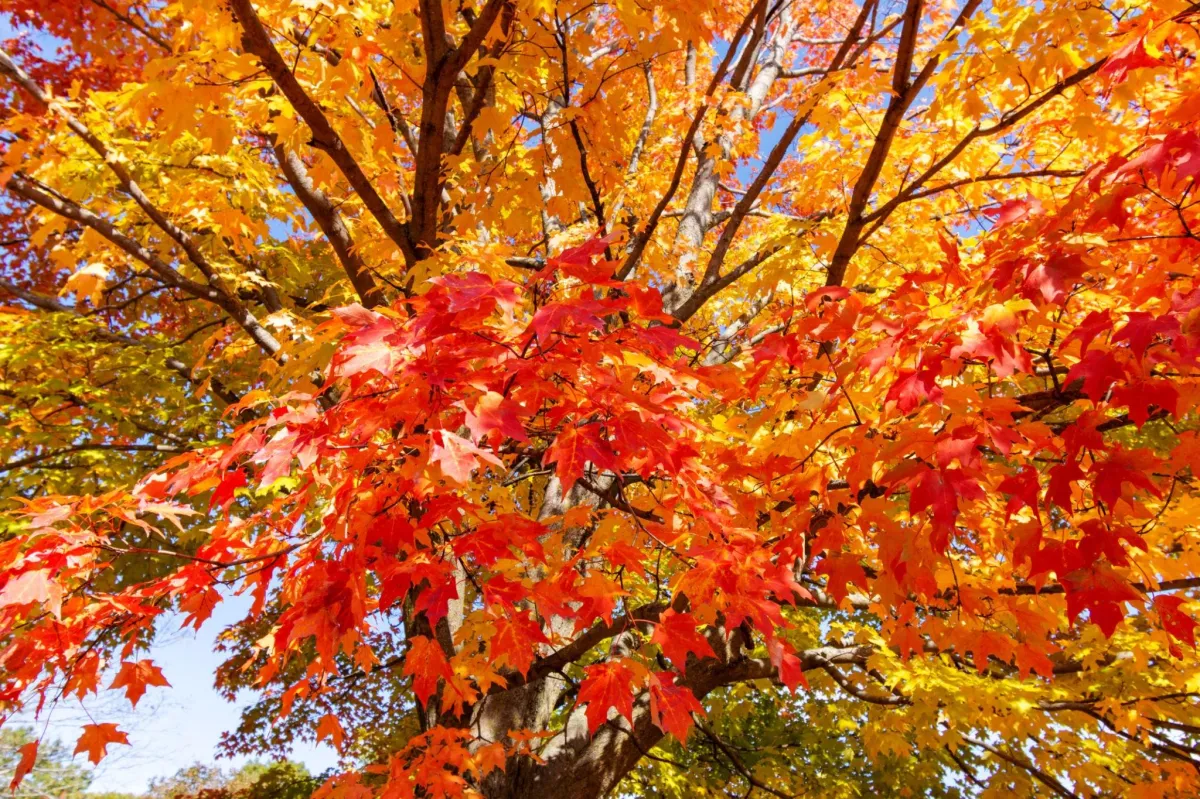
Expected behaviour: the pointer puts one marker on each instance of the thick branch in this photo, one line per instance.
(330, 221)
(256, 40)
(34, 459)
(443, 64)
(905, 91)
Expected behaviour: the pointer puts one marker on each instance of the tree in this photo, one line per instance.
(590, 393)
(278, 780)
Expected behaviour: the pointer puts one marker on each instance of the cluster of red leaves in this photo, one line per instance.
(384, 498)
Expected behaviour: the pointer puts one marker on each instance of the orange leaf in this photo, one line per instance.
(426, 664)
(329, 727)
(96, 738)
(25, 765)
(677, 636)
(134, 677)
(671, 705)
(606, 686)
(32, 587)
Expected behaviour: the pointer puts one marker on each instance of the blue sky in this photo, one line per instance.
(172, 727)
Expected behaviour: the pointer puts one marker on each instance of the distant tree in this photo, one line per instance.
(282, 779)
(197, 779)
(279, 780)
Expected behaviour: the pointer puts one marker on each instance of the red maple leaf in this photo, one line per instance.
(1130, 57)
(606, 686)
(1023, 489)
(817, 298)
(914, 386)
(426, 663)
(1102, 593)
(493, 412)
(516, 641)
(575, 447)
(1098, 370)
(1093, 325)
(29, 587)
(1142, 329)
(1178, 150)
(456, 456)
(1143, 395)
(1011, 211)
(1062, 478)
(1179, 624)
(783, 658)
(672, 706)
(677, 636)
(842, 570)
(24, 765)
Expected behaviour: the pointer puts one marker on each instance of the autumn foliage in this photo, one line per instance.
(635, 398)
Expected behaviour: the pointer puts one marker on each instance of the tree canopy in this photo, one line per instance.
(612, 397)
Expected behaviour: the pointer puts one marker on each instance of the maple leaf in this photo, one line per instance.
(1102, 593)
(598, 598)
(224, 493)
(672, 706)
(493, 412)
(939, 490)
(30, 587)
(1031, 660)
(475, 291)
(426, 663)
(787, 665)
(88, 281)
(677, 636)
(583, 254)
(842, 570)
(458, 457)
(575, 447)
(1062, 477)
(330, 727)
(878, 357)
(1180, 625)
(830, 294)
(28, 757)
(566, 318)
(1142, 329)
(516, 640)
(96, 739)
(1051, 280)
(914, 386)
(607, 686)
(1023, 489)
(1178, 151)
(1011, 211)
(1098, 370)
(1130, 57)
(907, 640)
(435, 600)
(1093, 325)
(135, 676)
(1142, 395)
(356, 317)
(1111, 475)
